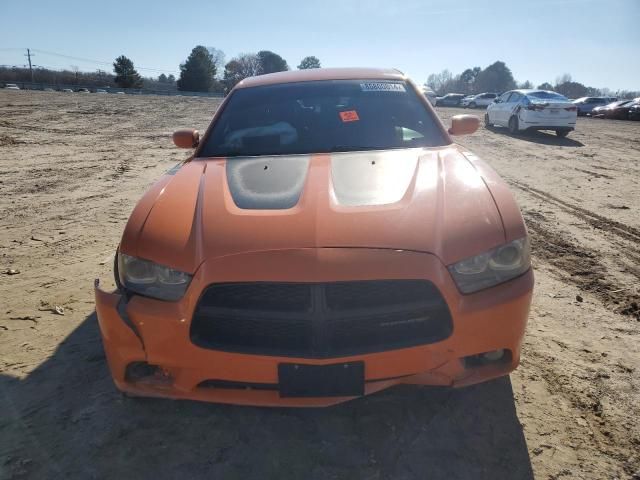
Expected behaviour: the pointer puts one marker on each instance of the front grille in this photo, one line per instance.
(275, 297)
(319, 320)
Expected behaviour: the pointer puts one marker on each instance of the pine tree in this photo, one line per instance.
(126, 75)
(198, 73)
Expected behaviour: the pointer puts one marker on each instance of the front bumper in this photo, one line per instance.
(157, 332)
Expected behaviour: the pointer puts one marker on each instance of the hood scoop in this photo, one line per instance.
(267, 183)
(372, 178)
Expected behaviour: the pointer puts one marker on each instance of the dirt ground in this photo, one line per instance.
(71, 169)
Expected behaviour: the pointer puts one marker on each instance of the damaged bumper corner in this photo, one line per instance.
(121, 343)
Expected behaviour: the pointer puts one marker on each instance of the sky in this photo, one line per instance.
(596, 41)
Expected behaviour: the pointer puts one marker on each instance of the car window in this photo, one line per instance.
(515, 97)
(322, 116)
(544, 95)
(505, 96)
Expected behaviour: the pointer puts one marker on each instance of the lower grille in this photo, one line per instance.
(319, 320)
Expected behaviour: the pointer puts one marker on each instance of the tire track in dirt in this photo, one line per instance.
(595, 220)
(581, 267)
(78, 132)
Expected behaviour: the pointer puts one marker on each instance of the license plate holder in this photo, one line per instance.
(335, 380)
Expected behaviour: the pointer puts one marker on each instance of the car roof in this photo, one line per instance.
(526, 91)
(314, 74)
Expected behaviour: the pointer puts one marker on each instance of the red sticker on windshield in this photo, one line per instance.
(349, 116)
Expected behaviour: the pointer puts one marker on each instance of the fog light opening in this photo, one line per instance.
(499, 356)
(143, 372)
(494, 355)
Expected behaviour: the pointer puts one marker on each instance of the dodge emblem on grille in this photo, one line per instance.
(404, 322)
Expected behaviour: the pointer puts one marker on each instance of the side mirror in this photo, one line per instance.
(464, 124)
(186, 138)
(497, 100)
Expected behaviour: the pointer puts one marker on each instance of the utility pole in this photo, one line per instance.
(29, 55)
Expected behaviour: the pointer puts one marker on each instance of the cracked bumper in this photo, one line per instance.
(156, 332)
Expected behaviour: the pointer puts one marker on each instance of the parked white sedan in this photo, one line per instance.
(532, 110)
(480, 100)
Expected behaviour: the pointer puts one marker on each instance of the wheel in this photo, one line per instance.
(487, 123)
(513, 125)
(562, 133)
(472, 105)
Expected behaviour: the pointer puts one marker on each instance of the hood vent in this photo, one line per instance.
(267, 183)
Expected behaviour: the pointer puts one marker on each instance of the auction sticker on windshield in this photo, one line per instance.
(382, 87)
(349, 116)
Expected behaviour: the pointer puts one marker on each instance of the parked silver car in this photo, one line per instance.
(480, 100)
(586, 104)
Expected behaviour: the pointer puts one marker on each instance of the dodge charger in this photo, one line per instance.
(326, 239)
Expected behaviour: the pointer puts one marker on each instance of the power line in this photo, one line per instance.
(81, 59)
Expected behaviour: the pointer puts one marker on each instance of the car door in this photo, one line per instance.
(493, 110)
(510, 106)
(497, 112)
(592, 103)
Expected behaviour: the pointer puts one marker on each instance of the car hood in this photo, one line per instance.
(428, 200)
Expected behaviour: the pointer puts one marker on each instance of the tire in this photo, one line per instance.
(513, 125)
(473, 105)
(487, 123)
(562, 133)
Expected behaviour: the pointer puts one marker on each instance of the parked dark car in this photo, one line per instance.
(618, 109)
(621, 112)
(450, 100)
(634, 112)
(587, 104)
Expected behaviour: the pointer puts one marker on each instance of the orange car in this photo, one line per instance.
(326, 240)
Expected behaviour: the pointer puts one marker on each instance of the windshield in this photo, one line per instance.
(547, 96)
(322, 116)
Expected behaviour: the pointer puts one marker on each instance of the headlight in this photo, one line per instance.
(150, 279)
(493, 267)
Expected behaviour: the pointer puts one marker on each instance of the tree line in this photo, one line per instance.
(498, 78)
(73, 76)
(206, 71)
